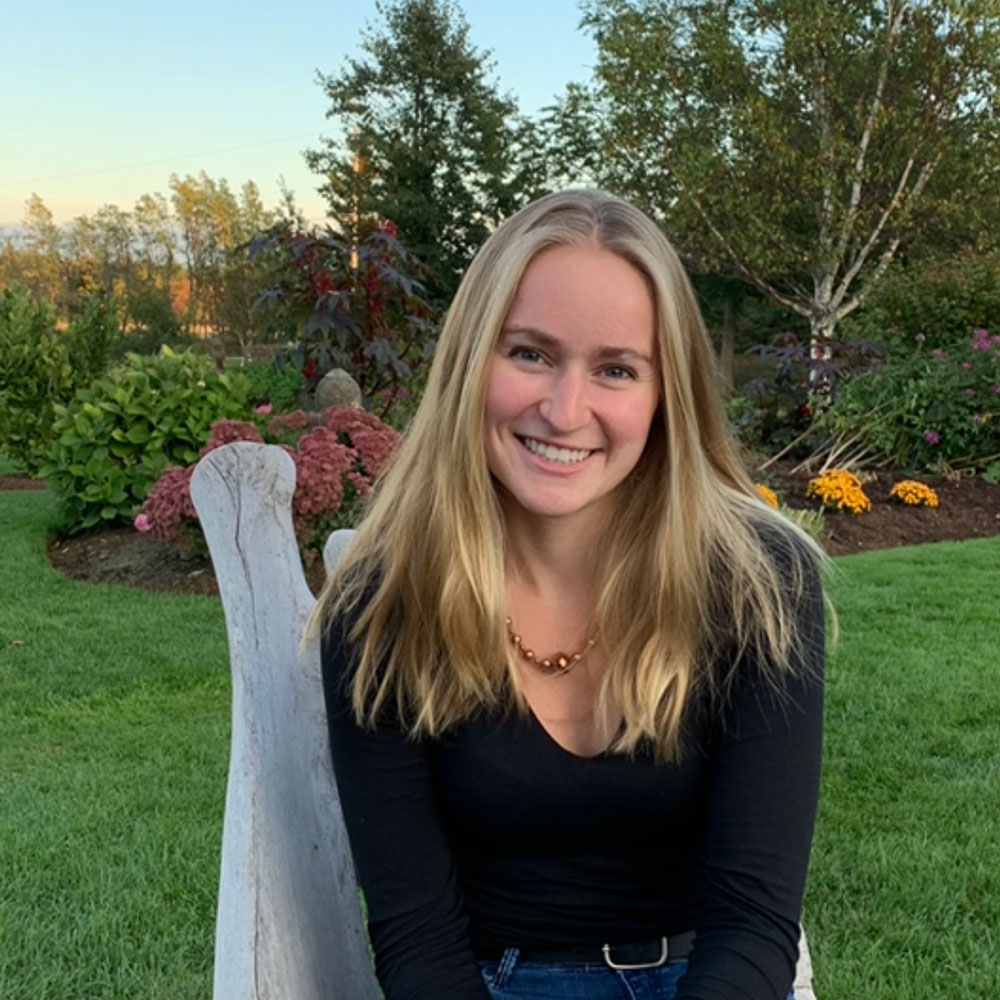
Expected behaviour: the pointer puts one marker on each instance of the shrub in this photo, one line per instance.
(336, 463)
(938, 299)
(92, 339)
(35, 376)
(931, 409)
(357, 308)
(839, 489)
(775, 410)
(115, 437)
(274, 383)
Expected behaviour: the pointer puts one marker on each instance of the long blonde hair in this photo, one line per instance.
(695, 567)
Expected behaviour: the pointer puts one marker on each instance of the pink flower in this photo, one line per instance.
(141, 523)
(264, 409)
(921, 338)
(938, 355)
(995, 388)
(967, 365)
(970, 392)
(932, 437)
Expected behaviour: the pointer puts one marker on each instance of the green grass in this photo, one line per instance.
(114, 746)
(904, 894)
(113, 751)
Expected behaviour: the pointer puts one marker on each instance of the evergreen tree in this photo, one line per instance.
(427, 140)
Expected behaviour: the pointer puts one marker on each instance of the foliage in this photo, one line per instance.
(35, 375)
(813, 522)
(274, 383)
(114, 438)
(362, 313)
(774, 411)
(930, 409)
(429, 142)
(797, 145)
(839, 489)
(92, 339)
(154, 321)
(337, 454)
(914, 494)
(939, 299)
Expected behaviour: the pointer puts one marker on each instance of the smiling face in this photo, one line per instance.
(572, 387)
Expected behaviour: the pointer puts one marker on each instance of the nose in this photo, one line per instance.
(565, 406)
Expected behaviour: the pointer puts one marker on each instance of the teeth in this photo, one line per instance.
(566, 455)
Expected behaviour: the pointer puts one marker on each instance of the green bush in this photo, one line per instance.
(92, 338)
(274, 383)
(115, 437)
(930, 410)
(942, 300)
(35, 376)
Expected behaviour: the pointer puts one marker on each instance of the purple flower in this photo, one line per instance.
(932, 437)
(141, 523)
(938, 355)
(981, 340)
(970, 392)
(995, 388)
(921, 338)
(967, 365)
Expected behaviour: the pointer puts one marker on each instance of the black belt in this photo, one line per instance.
(635, 955)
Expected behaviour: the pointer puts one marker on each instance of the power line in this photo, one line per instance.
(166, 159)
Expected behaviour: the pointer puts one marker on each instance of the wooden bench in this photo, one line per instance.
(289, 923)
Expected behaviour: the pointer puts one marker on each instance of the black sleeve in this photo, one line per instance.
(762, 807)
(416, 920)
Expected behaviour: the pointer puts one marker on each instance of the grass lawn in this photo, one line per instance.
(114, 746)
(113, 751)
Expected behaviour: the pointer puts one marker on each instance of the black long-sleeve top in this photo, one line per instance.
(494, 835)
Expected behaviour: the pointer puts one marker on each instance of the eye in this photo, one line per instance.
(527, 354)
(619, 373)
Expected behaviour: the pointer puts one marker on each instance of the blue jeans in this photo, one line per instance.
(510, 979)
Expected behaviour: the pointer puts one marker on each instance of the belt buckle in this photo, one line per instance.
(633, 966)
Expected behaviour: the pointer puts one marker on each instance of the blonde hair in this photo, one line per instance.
(696, 568)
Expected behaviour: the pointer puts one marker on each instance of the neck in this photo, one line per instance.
(550, 557)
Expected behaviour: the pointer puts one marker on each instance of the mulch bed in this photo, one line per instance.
(969, 508)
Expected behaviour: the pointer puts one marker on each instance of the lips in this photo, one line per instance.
(565, 456)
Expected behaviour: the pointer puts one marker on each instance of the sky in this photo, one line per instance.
(102, 101)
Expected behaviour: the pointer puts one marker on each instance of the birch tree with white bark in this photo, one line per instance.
(798, 145)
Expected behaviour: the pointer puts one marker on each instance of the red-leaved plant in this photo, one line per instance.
(337, 454)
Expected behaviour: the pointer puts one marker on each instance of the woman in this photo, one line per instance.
(572, 662)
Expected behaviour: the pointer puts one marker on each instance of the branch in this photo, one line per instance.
(752, 276)
(847, 229)
(897, 198)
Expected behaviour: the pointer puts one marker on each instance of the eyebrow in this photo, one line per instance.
(547, 340)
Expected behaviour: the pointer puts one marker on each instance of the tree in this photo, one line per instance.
(215, 226)
(428, 142)
(800, 145)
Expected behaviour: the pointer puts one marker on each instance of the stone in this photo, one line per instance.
(337, 388)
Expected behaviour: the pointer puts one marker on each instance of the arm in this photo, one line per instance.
(416, 920)
(759, 825)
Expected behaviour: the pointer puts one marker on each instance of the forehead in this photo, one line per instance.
(585, 292)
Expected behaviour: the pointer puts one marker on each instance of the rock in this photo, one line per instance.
(337, 388)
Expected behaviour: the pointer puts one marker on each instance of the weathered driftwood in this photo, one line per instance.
(289, 923)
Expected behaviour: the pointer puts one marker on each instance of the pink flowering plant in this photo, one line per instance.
(931, 410)
(338, 455)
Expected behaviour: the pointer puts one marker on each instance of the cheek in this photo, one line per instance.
(505, 395)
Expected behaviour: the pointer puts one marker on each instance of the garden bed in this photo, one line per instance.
(969, 508)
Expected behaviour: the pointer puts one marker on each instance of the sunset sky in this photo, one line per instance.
(103, 101)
